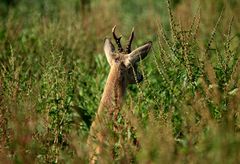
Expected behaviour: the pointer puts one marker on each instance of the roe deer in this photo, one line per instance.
(123, 72)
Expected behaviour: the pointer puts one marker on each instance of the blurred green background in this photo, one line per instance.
(53, 71)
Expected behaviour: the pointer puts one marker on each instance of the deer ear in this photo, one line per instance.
(109, 50)
(139, 53)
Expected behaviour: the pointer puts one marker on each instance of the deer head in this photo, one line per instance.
(126, 59)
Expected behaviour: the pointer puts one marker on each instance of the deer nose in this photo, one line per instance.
(139, 78)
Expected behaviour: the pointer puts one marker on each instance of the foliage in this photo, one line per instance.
(53, 71)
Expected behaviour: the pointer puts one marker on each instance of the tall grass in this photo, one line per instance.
(53, 70)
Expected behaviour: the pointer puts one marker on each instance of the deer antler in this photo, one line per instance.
(117, 39)
(128, 48)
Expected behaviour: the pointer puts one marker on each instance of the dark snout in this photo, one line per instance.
(139, 78)
(135, 78)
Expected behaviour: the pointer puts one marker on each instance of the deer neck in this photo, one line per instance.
(115, 88)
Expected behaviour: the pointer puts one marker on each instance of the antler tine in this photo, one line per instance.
(128, 48)
(117, 39)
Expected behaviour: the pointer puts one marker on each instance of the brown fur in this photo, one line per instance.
(123, 71)
(111, 99)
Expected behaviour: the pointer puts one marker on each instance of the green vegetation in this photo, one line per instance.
(53, 71)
